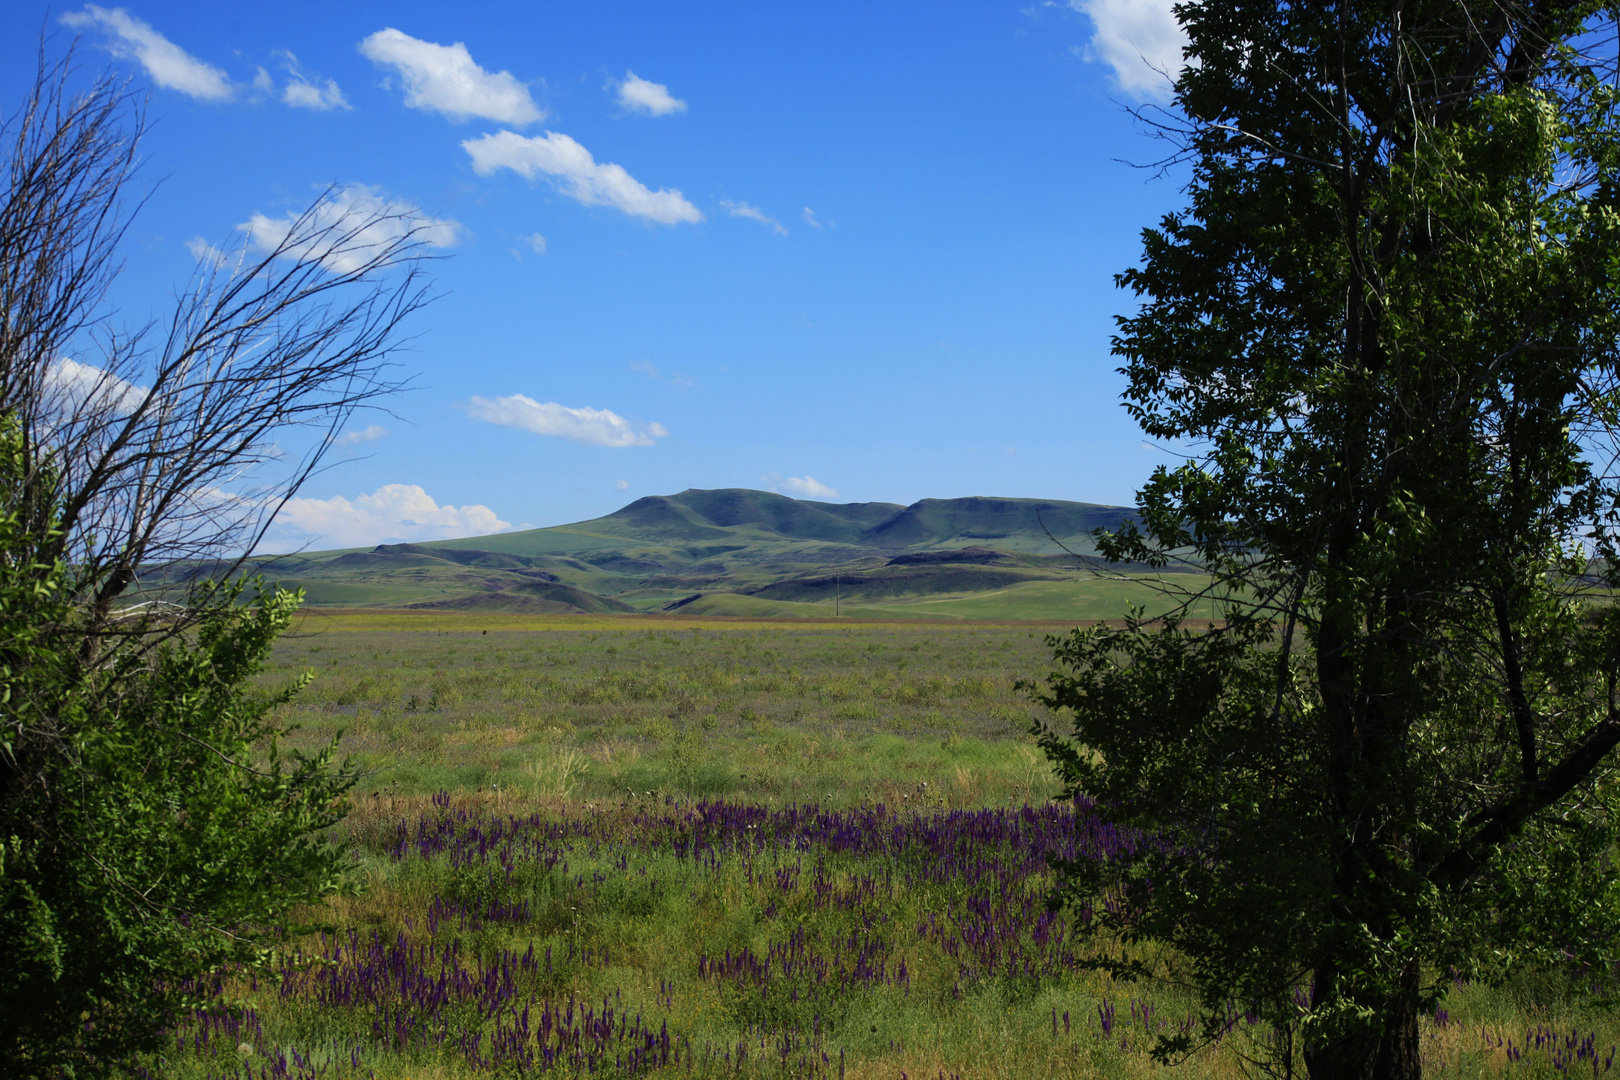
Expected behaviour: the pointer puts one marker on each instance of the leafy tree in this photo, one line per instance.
(150, 827)
(1385, 329)
(171, 836)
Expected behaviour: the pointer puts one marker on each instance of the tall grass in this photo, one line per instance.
(792, 851)
(774, 714)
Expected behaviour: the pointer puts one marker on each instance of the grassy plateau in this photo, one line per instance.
(628, 845)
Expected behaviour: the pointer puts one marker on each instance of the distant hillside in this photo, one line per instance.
(942, 521)
(713, 515)
(664, 552)
(745, 516)
(540, 598)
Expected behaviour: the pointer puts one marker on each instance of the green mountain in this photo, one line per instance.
(1018, 524)
(731, 512)
(692, 550)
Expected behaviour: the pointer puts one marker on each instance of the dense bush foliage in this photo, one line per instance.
(1388, 328)
(149, 828)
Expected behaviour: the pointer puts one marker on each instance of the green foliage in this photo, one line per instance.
(150, 828)
(1387, 323)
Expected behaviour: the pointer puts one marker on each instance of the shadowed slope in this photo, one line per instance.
(1015, 523)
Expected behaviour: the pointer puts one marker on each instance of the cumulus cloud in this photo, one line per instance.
(387, 221)
(167, 64)
(577, 174)
(537, 243)
(393, 514)
(637, 95)
(306, 91)
(808, 487)
(444, 79)
(621, 485)
(593, 427)
(369, 433)
(1140, 39)
(309, 95)
(73, 386)
(753, 213)
(805, 487)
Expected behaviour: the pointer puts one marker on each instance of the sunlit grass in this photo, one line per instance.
(633, 730)
(772, 712)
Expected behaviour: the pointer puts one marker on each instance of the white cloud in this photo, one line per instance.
(370, 433)
(810, 219)
(809, 487)
(753, 213)
(394, 513)
(1140, 39)
(593, 427)
(262, 82)
(653, 99)
(74, 385)
(621, 485)
(309, 92)
(168, 65)
(577, 174)
(308, 95)
(444, 79)
(805, 487)
(537, 243)
(389, 220)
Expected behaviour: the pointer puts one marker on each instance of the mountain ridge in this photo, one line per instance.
(716, 513)
(664, 552)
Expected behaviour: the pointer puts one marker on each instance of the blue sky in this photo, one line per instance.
(843, 251)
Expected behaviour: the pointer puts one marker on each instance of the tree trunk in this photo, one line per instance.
(1398, 1057)
(1345, 1059)
(1388, 1055)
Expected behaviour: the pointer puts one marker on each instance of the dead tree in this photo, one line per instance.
(161, 446)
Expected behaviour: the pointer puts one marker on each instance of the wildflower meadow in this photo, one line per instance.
(718, 850)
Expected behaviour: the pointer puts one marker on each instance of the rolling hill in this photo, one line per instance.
(729, 549)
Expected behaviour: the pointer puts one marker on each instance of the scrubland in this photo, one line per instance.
(641, 846)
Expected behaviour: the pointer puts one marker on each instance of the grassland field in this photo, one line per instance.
(1080, 597)
(666, 846)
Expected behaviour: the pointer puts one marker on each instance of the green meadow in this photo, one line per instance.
(739, 709)
(666, 845)
(1079, 598)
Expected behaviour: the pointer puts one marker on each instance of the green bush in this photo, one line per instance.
(151, 828)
